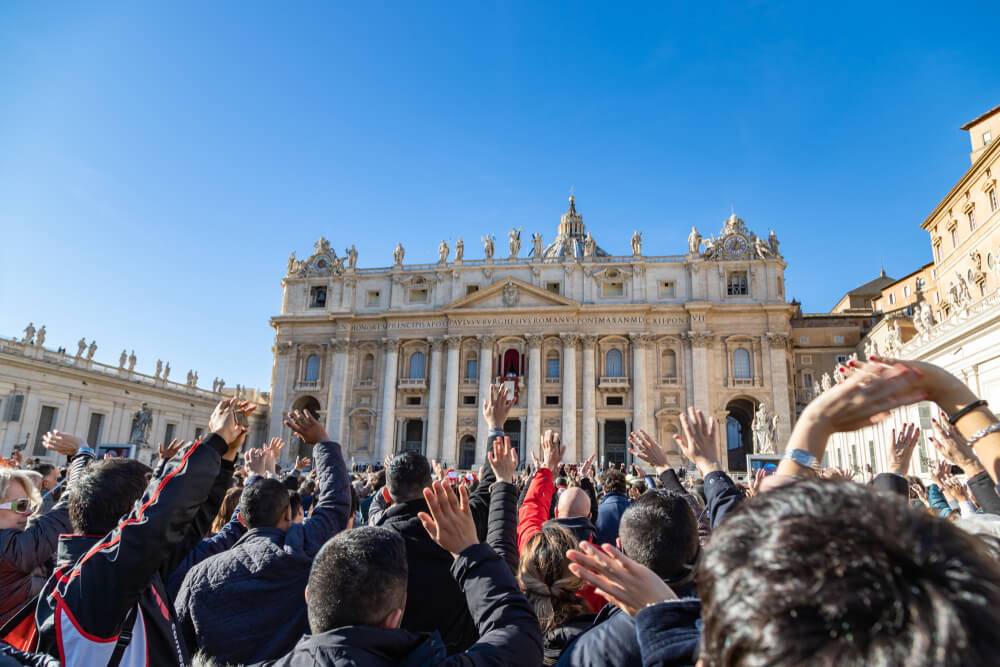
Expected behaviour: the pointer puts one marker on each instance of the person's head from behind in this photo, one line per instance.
(265, 504)
(226, 509)
(636, 489)
(50, 476)
(660, 531)
(614, 481)
(105, 493)
(573, 502)
(295, 505)
(408, 475)
(19, 498)
(544, 576)
(833, 573)
(358, 578)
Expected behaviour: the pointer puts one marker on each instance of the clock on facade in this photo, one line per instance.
(735, 245)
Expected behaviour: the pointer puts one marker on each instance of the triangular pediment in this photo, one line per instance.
(510, 293)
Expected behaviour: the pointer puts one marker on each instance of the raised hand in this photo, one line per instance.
(901, 449)
(168, 452)
(450, 521)
(438, 470)
(224, 422)
(617, 578)
(648, 449)
(551, 451)
(302, 463)
(497, 406)
(255, 460)
(586, 469)
(309, 430)
(63, 444)
(957, 489)
(503, 459)
(754, 488)
(950, 445)
(698, 442)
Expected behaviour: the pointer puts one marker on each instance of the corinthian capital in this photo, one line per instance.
(340, 344)
(641, 339)
(778, 341)
(534, 339)
(569, 339)
(588, 340)
(700, 338)
(486, 340)
(390, 344)
(454, 342)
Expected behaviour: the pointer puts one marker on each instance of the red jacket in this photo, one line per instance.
(534, 512)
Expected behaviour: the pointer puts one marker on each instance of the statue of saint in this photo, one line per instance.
(772, 242)
(636, 243)
(514, 241)
(760, 249)
(131, 361)
(398, 253)
(536, 246)
(141, 422)
(190, 378)
(91, 350)
(488, 242)
(166, 371)
(122, 359)
(694, 242)
(826, 382)
(459, 249)
(764, 427)
(159, 369)
(29, 333)
(81, 345)
(443, 252)
(589, 245)
(40, 337)
(292, 263)
(352, 257)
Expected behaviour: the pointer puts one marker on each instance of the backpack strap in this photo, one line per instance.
(124, 638)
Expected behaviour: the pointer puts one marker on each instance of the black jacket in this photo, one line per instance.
(100, 582)
(506, 623)
(258, 586)
(722, 496)
(668, 633)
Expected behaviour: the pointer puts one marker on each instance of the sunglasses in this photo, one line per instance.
(21, 506)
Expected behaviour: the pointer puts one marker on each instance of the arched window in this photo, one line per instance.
(368, 367)
(552, 365)
(312, 368)
(613, 364)
(471, 366)
(416, 371)
(467, 453)
(669, 364)
(742, 369)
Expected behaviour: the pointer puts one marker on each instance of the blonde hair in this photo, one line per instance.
(25, 478)
(544, 576)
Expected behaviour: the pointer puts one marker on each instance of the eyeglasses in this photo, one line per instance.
(21, 506)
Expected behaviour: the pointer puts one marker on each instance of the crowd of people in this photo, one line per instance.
(218, 556)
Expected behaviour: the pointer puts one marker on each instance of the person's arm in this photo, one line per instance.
(32, 547)
(952, 447)
(207, 547)
(588, 487)
(495, 407)
(332, 507)
(502, 530)
(535, 508)
(900, 452)
(106, 581)
(984, 492)
(668, 633)
(937, 500)
(381, 501)
(697, 442)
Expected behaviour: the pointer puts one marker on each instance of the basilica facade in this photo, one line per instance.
(590, 344)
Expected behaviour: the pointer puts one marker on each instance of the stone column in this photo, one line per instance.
(779, 387)
(640, 392)
(533, 429)
(701, 342)
(569, 395)
(449, 427)
(589, 396)
(336, 402)
(485, 379)
(387, 418)
(279, 395)
(434, 402)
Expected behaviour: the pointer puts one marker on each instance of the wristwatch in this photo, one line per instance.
(802, 457)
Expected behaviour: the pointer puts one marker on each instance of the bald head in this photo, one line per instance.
(573, 502)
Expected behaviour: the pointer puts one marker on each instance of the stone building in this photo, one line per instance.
(43, 389)
(591, 344)
(950, 315)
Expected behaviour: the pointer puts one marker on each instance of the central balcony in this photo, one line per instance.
(412, 384)
(613, 383)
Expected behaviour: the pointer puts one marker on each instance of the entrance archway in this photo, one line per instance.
(739, 436)
(467, 453)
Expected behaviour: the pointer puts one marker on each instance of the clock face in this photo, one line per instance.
(735, 245)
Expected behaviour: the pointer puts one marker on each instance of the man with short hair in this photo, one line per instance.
(358, 586)
(48, 485)
(611, 506)
(659, 531)
(258, 584)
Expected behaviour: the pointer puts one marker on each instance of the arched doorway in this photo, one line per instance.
(413, 436)
(467, 453)
(511, 364)
(739, 436)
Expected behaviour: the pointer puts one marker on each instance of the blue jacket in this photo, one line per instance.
(257, 589)
(609, 515)
(668, 633)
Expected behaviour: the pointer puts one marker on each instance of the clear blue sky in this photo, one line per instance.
(158, 161)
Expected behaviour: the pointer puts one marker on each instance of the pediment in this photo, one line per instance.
(510, 293)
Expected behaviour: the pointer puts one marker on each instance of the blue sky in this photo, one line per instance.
(158, 161)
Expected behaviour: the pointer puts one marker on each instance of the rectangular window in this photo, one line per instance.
(552, 400)
(987, 137)
(806, 359)
(841, 358)
(471, 289)
(471, 369)
(807, 380)
(993, 200)
(372, 297)
(94, 430)
(892, 298)
(552, 367)
(14, 405)
(168, 433)
(46, 421)
(667, 290)
(612, 401)
(972, 218)
(419, 295)
(906, 291)
(954, 237)
(413, 400)
(737, 284)
(613, 290)
(469, 399)
(937, 253)
(803, 340)
(871, 456)
(554, 287)
(838, 340)
(317, 297)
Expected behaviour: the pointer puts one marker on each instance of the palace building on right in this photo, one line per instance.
(946, 312)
